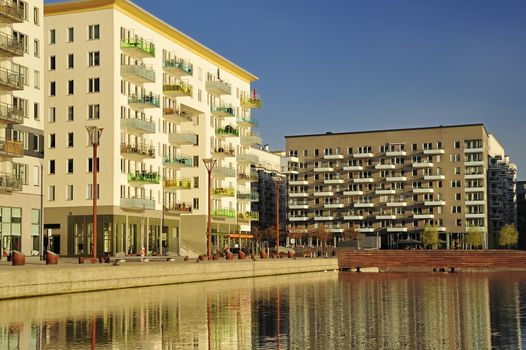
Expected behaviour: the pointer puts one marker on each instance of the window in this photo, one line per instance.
(457, 170)
(69, 192)
(71, 113)
(459, 222)
(93, 85)
(36, 16)
(458, 196)
(90, 165)
(36, 111)
(71, 87)
(457, 144)
(94, 111)
(52, 88)
(196, 161)
(196, 203)
(415, 147)
(36, 48)
(71, 34)
(37, 79)
(94, 58)
(196, 181)
(52, 36)
(69, 166)
(71, 61)
(52, 63)
(51, 193)
(21, 170)
(93, 32)
(22, 38)
(70, 139)
(51, 140)
(51, 166)
(90, 191)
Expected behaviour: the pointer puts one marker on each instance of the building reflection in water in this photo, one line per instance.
(313, 311)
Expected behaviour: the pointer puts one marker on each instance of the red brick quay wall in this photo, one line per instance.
(430, 260)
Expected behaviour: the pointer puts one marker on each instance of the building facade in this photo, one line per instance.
(388, 185)
(165, 102)
(521, 213)
(21, 134)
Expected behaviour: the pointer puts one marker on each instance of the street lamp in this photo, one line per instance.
(277, 183)
(210, 163)
(94, 134)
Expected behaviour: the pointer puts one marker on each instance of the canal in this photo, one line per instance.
(328, 310)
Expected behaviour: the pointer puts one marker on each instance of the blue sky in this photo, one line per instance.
(345, 65)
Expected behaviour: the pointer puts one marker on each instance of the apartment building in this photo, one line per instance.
(165, 102)
(390, 184)
(21, 134)
(521, 213)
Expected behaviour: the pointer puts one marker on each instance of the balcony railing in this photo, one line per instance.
(178, 161)
(223, 172)
(224, 192)
(249, 216)
(10, 47)
(178, 67)
(251, 102)
(248, 196)
(224, 152)
(138, 125)
(224, 213)
(10, 148)
(144, 178)
(137, 150)
(177, 116)
(247, 121)
(251, 139)
(184, 138)
(223, 111)
(10, 115)
(227, 131)
(178, 184)
(218, 87)
(11, 80)
(248, 158)
(137, 203)
(247, 178)
(178, 208)
(178, 89)
(138, 47)
(144, 101)
(11, 12)
(10, 182)
(138, 73)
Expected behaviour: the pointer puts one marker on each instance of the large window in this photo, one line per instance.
(94, 58)
(93, 85)
(93, 32)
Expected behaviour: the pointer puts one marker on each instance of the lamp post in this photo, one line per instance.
(41, 238)
(94, 137)
(210, 163)
(277, 183)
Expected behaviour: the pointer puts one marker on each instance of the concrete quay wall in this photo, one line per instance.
(25, 281)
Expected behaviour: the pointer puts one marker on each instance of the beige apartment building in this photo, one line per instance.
(21, 134)
(165, 102)
(390, 184)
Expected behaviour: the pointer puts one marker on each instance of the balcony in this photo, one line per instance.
(423, 190)
(324, 194)
(298, 218)
(243, 178)
(223, 172)
(137, 151)
(248, 216)
(474, 163)
(138, 47)
(333, 156)
(475, 202)
(420, 165)
(222, 192)
(353, 193)
(423, 216)
(178, 161)
(178, 67)
(183, 138)
(137, 203)
(298, 182)
(326, 169)
(222, 152)
(139, 101)
(247, 121)
(333, 205)
(138, 126)
(247, 158)
(434, 177)
(298, 206)
(363, 205)
(249, 140)
(223, 213)
(10, 115)
(396, 179)
(385, 192)
(223, 111)
(227, 131)
(177, 184)
(434, 151)
(353, 168)
(476, 228)
(353, 217)
(179, 89)
(178, 208)
(10, 148)
(363, 180)
(475, 189)
(138, 73)
(143, 178)
(434, 203)
(10, 80)
(177, 116)
(474, 176)
(323, 218)
(475, 215)
(384, 166)
(365, 229)
(251, 102)
(385, 217)
(474, 150)
(10, 47)
(248, 196)
(11, 12)
(10, 182)
(363, 155)
(298, 194)
(333, 181)
(396, 204)
(396, 229)
(396, 154)
(290, 170)
(218, 87)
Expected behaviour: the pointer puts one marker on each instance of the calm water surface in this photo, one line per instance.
(313, 311)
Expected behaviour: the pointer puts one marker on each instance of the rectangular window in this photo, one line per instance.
(89, 190)
(36, 111)
(94, 111)
(71, 61)
(51, 140)
(94, 58)
(196, 181)
(37, 79)
(69, 166)
(71, 35)
(52, 63)
(93, 32)
(69, 192)
(196, 203)
(51, 193)
(51, 166)
(71, 113)
(90, 165)
(36, 16)
(52, 88)
(71, 87)
(70, 139)
(93, 85)
(36, 48)
(52, 36)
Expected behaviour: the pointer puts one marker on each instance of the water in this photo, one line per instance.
(314, 311)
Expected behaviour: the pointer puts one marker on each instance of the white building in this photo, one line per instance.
(21, 107)
(165, 103)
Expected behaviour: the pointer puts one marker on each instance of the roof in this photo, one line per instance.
(156, 24)
(390, 130)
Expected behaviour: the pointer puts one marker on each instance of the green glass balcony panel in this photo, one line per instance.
(138, 47)
(137, 203)
(223, 111)
(11, 12)
(144, 101)
(251, 102)
(146, 178)
(178, 161)
(248, 177)
(247, 121)
(224, 192)
(178, 184)
(248, 158)
(10, 182)
(178, 67)
(138, 125)
(137, 150)
(11, 80)
(226, 213)
(223, 172)
(252, 139)
(183, 138)
(227, 131)
(248, 196)
(138, 73)
(249, 216)
(10, 115)
(178, 89)
(218, 87)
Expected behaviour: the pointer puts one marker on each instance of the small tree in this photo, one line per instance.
(508, 235)
(474, 237)
(430, 236)
(352, 234)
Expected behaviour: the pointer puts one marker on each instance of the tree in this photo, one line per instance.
(474, 237)
(430, 236)
(508, 235)
(322, 233)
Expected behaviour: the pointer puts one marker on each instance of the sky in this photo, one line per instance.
(350, 65)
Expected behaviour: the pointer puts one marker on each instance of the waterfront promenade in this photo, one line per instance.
(38, 279)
